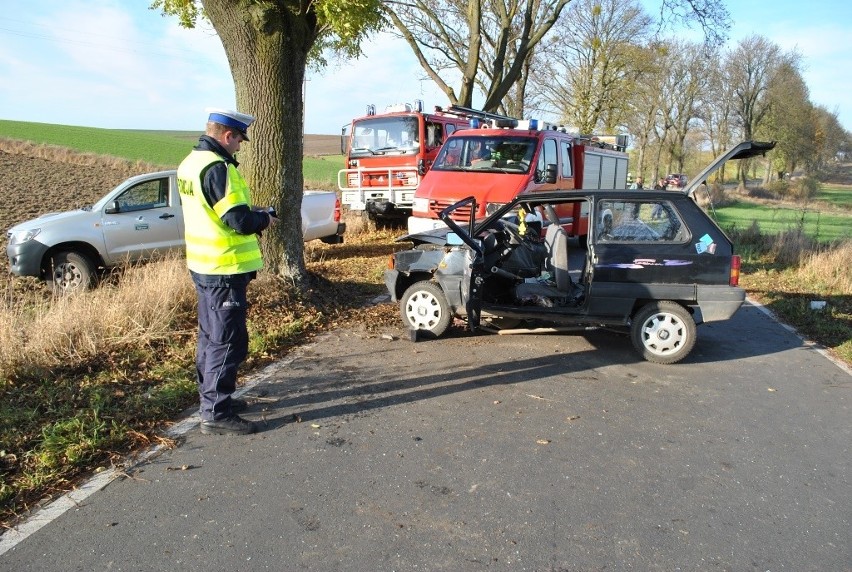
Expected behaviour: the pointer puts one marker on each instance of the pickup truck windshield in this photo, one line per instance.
(385, 135)
(510, 154)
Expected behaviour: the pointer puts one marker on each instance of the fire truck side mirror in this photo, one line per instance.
(421, 167)
(550, 173)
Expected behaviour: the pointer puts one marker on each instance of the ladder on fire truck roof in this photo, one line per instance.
(614, 142)
(469, 113)
(499, 121)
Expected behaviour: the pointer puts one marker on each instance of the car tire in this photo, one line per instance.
(70, 272)
(424, 308)
(663, 332)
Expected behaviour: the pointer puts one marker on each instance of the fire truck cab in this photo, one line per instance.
(388, 154)
(498, 158)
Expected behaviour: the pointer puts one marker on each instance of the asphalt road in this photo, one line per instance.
(547, 452)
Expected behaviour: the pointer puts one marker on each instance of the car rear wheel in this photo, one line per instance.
(425, 308)
(663, 332)
(71, 272)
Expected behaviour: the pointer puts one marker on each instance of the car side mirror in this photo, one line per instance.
(113, 208)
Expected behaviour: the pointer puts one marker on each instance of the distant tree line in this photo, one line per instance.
(599, 65)
(607, 66)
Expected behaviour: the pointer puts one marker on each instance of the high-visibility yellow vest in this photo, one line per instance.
(212, 247)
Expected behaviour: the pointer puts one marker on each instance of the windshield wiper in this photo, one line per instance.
(363, 150)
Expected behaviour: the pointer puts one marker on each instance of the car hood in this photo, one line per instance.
(437, 236)
(744, 150)
(48, 218)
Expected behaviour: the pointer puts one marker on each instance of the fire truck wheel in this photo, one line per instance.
(425, 308)
(663, 332)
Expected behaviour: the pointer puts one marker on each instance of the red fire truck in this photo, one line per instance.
(387, 155)
(503, 157)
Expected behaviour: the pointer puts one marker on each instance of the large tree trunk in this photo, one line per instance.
(267, 49)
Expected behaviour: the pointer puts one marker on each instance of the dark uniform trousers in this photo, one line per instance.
(222, 339)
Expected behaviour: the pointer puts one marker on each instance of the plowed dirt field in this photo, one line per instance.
(37, 180)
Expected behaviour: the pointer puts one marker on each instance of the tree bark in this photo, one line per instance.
(267, 48)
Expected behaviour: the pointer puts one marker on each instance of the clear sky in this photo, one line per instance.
(117, 64)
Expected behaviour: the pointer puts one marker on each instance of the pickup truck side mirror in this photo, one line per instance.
(113, 208)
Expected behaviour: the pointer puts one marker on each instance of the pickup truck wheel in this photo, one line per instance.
(425, 308)
(663, 332)
(70, 272)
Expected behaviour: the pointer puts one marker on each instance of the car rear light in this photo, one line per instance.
(391, 262)
(735, 270)
(337, 210)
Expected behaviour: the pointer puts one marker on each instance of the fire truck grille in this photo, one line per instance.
(461, 214)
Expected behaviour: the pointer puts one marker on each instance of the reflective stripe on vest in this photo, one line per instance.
(212, 247)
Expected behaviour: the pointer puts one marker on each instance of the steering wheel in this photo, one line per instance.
(513, 230)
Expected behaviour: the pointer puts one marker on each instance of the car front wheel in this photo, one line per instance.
(425, 308)
(71, 272)
(663, 332)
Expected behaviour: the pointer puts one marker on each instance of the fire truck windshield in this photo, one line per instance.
(385, 135)
(510, 154)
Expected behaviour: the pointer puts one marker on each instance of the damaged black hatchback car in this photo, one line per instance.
(653, 264)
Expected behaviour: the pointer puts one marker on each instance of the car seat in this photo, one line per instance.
(556, 240)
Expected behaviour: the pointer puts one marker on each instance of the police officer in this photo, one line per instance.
(223, 256)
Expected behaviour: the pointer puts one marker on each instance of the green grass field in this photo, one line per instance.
(321, 172)
(821, 225)
(837, 196)
(165, 148)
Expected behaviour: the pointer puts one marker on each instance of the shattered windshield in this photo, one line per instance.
(509, 154)
(385, 135)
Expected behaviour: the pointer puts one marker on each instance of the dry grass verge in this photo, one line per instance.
(148, 305)
(786, 273)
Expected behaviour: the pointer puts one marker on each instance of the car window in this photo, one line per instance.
(565, 151)
(147, 195)
(548, 156)
(434, 134)
(496, 154)
(638, 221)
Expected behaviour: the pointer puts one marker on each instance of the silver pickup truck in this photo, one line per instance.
(137, 220)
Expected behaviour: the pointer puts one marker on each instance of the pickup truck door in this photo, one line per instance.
(474, 270)
(142, 222)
